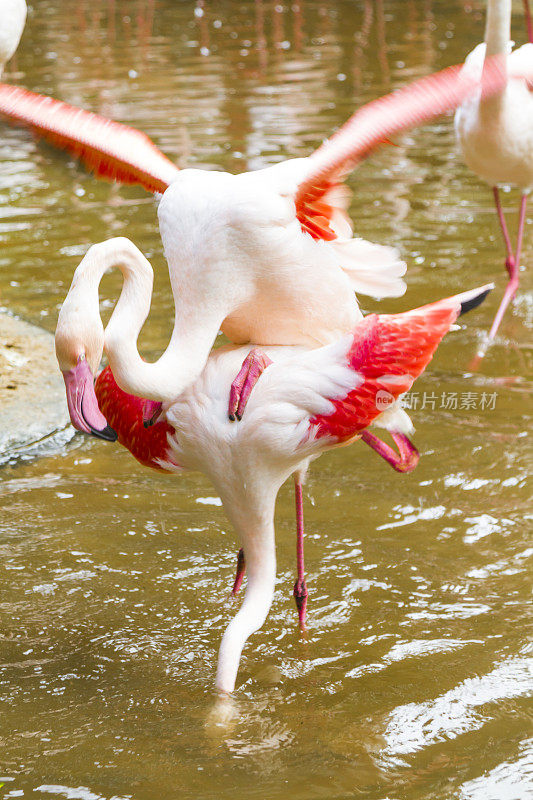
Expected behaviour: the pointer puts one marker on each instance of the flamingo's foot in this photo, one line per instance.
(253, 365)
(478, 358)
(151, 412)
(222, 716)
(404, 461)
(300, 595)
(239, 575)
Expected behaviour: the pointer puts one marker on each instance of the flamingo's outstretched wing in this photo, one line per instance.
(108, 148)
(319, 198)
(331, 394)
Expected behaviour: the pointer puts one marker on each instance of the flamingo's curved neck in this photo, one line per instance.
(164, 379)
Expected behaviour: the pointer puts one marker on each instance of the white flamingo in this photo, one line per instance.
(495, 133)
(309, 400)
(12, 21)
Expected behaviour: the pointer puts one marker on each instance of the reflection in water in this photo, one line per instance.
(412, 682)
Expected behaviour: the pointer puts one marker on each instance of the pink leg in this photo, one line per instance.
(241, 388)
(408, 456)
(510, 260)
(300, 587)
(513, 270)
(239, 575)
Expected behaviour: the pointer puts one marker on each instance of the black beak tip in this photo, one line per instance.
(107, 433)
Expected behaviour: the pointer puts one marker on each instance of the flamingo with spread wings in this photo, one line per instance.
(306, 402)
(266, 256)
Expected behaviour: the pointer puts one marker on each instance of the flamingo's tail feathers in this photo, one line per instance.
(373, 269)
(386, 354)
(474, 298)
(109, 149)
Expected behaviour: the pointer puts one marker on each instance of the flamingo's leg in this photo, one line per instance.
(404, 461)
(239, 575)
(510, 260)
(253, 365)
(513, 270)
(300, 587)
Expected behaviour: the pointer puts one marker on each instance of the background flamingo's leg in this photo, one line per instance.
(510, 260)
(512, 285)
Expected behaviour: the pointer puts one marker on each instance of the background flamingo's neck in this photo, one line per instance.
(497, 37)
(529, 21)
(498, 27)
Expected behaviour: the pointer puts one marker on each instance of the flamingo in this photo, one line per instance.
(13, 16)
(266, 256)
(309, 400)
(495, 134)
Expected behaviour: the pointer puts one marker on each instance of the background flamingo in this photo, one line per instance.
(306, 402)
(495, 133)
(12, 21)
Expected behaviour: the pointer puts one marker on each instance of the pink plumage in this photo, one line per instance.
(109, 149)
(389, 351)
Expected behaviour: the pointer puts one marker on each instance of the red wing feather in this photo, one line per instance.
(389, 351)
(314, 212)
(109, 149)
(124, 412)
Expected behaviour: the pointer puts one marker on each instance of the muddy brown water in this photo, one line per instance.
(414, 679)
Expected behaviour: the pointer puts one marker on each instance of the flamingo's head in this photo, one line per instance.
(79, 346)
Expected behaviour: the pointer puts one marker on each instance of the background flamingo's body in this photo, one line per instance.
(496, 135)
(13, 19)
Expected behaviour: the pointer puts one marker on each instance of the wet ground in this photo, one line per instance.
(414, 679)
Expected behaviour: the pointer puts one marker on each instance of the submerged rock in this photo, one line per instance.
(32, 394)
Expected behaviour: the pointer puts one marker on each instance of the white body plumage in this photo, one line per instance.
(12, 21)
(496, 135)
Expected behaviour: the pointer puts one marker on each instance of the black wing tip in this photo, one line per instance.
(108, 433)
(474, 302)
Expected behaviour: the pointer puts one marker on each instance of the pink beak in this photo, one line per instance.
(82, 402)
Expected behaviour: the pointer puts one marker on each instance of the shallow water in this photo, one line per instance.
(414, 679)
